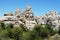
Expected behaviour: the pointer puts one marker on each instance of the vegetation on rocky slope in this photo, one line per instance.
(22, 33)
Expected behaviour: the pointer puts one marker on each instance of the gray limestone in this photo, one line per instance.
(30, 20)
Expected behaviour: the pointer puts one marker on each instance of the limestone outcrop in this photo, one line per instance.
(27, 18)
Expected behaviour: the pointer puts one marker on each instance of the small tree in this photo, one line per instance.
(10, 25)
(36, 33)
(2, 25)
(24, 28)
(59, 30)
(36, 21)
(15, 34)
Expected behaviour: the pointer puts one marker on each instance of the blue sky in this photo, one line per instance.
(39, 7)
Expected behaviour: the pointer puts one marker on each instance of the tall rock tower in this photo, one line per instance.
(28, 13)
(29, 18)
